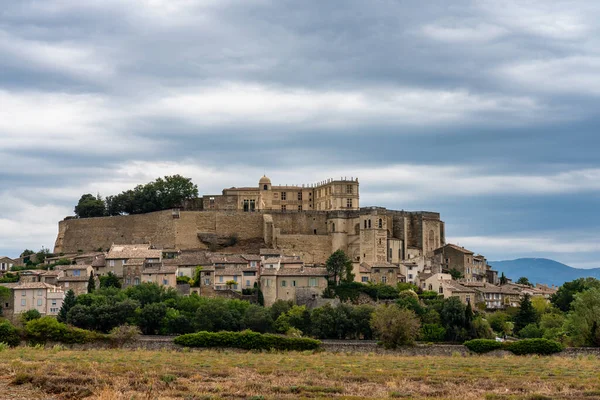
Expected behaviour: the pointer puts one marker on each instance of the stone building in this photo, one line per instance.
(327, 195)
(384, 273)
(6, 264)
(74, 277)
(45, 298)
(287, 283)
(121, 254)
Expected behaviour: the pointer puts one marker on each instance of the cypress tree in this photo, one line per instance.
(526, 315)
(91, 284)
(67, 304)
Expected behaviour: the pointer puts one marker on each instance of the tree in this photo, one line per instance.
(90, 206)
(395, 326)
(469, 321)
(68, 303)
(526, 314)
(30, 315)
(110, 280)
(524, 281)
(5, 294)
(258, 319)
(503, 280)
(565, 295)
(91, 284)
(453, 319)
(583, 322)
(339, 266)
(150, 317)
(455, 274)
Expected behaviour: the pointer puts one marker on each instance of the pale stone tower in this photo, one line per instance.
(265, 196)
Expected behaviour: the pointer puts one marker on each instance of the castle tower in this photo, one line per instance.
(265, 194)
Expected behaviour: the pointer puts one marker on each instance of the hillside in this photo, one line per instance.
(542, 270)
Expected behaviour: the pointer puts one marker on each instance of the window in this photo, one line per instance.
(293, 283)
(53, 302)
(365, 224)
(66, 284)
(349, 203)
(221, 279)
(252, 205)
(312, 282)
(39, 292)
(283, 196)
(283, 283)
(349, 189)
(265, 187)
(369, 224)
(380, 223)
(300, 196)
(136, 281)
(206, 281)
(23, 302)
(165, 282)
(376, 271)
(300, 208)
(283, 207)
(441, 290)
(410, 276)
(365, 279)
(23, 293)
(129, 281)
(76, 272)
(430, 286)
(246, 206)
(39, 302)
(384, 279)
(332, 227)
(111, 263)
(247, 282)
(468, 299)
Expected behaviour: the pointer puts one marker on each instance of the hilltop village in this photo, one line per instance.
(274, 239)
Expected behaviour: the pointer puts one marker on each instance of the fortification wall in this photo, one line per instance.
(93, 233)
(312, 248)
(303, 223)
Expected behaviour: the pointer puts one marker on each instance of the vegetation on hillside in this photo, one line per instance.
(161, 194)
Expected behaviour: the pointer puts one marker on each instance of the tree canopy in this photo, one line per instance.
(90, 206)
(339, 266)
(565, 295)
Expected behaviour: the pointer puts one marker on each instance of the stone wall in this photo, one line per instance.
(304, 223)
(313, 249)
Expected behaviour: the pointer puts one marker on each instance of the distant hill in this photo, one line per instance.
(542, 270)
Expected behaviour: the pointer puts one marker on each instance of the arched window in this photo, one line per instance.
(365, 224)
(266, 187)
(333, 227)
(380, 223)
(369, 224)
(431, 240)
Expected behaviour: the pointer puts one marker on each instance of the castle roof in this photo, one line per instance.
(264, 180)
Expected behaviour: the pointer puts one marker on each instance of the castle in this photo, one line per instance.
(310, 221)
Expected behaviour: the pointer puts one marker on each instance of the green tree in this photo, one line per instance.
(455, 274)
(361, 317)
(469, 327)
(91, 287)
(453, 319)
(395, 326)
(150, 317)
(500, 322)
(565, 295)
(583, 322)
(503, 280)
(147, 293)
(68, 303)
(5, 294)
(339, 266)
(280, 307)
(258, 319)
(526, 314)
(524, 281)
(110, 280)
(30, 315)
(90, 206)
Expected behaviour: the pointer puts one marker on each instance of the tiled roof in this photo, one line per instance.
(9, 285)
(51, 273)
(270, 252)
(71, 267)
(228, 271)
(364, 268)
(251, 257)
(127, 251)
(455, 287)
(73, 278)
(458, 248)
(99, 261)
(32, 272)
(165, 269)
(227, 259)
(33, 285)
(7, 259)
(307, 271)
(190, 258)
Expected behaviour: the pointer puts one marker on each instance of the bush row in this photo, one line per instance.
(522, 347)
(247, 340)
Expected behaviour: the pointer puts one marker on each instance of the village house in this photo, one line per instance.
(497, 297)
(294, 282)
(411, 269)
(30, 275)
(46, 299)
(122, 254)
(454, 289)
(383, 273)
(6, 264)
(432, 282)
(74, 277)
(165, 275)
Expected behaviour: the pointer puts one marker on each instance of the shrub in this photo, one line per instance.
(535, 346)
(247, 340)
(531, 331)
(481, 346)
(9, 334)
(123, 334)
(432, 333)
(40, 331)
(395, 326)
(30, 315)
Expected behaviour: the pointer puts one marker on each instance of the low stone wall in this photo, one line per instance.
(338, 346)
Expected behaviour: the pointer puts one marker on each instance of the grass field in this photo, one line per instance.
(28, 373)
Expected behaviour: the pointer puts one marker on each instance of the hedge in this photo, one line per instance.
(535, 346)
(40, 331)
(481, 346)
(247, 340)
(9, 334)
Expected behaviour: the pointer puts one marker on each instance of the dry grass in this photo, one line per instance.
(118, 374)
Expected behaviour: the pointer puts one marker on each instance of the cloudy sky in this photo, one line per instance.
(486, 111)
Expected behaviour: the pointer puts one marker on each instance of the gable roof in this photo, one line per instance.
(455, 247)
(127, 251)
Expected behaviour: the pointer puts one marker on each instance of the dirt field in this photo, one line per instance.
(28, 373)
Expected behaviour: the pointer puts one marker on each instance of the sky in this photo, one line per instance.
(484, 111)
